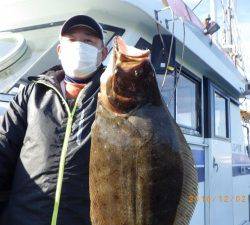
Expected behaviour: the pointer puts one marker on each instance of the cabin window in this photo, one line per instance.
(143, 44)
(167, 91)
(182, 97)
(109, 33)
(217, 110)
(246, 133)
(183, 101)
(220, 115)
(187, 103)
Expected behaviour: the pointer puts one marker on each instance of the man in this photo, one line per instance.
(45, 135)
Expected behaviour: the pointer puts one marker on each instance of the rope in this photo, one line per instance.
(197, 5)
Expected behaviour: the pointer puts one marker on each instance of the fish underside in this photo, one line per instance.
(141, 168)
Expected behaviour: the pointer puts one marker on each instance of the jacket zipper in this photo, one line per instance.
(63, 153)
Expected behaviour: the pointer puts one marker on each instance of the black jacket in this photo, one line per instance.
(32, 133)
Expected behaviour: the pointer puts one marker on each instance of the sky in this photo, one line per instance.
(243, 16)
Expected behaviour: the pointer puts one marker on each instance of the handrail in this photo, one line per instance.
(198, 144)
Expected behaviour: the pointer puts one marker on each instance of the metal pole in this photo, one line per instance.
(224, 30)
(230, 22)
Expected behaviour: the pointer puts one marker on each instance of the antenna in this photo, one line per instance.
(213, 16)
(231, 41)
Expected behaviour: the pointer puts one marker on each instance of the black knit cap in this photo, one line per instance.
(85, 21)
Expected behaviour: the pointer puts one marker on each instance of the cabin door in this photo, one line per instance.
(219, 182)
(220, 198)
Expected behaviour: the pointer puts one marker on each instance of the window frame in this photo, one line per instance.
(199, 131)
(173, 95)
(209, 107)
(143, 44)
(246, 147)
(198, 103)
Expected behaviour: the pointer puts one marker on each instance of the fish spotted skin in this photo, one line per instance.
(141, 168)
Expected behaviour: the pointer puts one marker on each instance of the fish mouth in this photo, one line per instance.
(131, 77)
(130, 53)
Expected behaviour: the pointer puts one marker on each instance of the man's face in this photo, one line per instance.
(86, 35)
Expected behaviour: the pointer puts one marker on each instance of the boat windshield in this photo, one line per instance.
(22, 47)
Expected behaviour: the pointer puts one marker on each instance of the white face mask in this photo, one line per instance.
(79, 60)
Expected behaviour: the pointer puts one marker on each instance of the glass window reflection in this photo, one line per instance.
(186, 111)
(167, 91)
(220, 115)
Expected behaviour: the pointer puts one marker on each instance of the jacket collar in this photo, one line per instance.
(56, 74)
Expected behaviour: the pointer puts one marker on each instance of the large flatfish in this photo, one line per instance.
(141, 168)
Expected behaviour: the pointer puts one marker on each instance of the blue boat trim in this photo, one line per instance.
(240, 165)
(201, 174)
(199, 159)
(241, 170)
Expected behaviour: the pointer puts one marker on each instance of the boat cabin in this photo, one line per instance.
(202, 88)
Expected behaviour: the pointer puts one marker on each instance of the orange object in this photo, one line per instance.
(72, 89)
